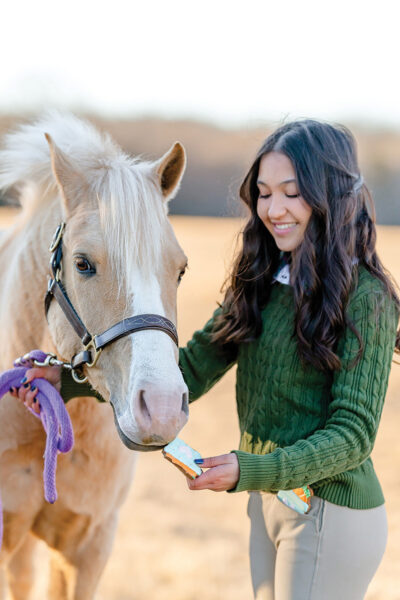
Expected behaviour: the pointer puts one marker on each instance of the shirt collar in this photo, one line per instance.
(282, 275)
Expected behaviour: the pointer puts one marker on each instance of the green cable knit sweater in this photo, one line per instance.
(298, 425)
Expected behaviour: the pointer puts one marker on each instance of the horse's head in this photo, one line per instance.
(121, 259)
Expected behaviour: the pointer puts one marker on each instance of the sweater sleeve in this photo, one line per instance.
(203, 362)
(357, 396)
(72, 389)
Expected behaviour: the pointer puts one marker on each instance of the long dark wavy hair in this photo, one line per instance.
(341, 228)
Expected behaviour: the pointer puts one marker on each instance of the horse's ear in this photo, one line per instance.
(170, 169)
(69, 179)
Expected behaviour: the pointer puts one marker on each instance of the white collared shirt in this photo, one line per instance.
(283, 273)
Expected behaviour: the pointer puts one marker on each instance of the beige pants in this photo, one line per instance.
(331, 553)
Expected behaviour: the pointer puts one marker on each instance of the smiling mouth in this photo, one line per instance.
(282, 227)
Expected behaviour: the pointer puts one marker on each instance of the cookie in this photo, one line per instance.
(182, 456)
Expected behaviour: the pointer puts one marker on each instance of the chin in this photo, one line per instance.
(286, 247)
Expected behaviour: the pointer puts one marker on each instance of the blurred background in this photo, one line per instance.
(217, 76)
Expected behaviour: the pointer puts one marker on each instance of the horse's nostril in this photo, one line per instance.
(143, 408)
(185, 404)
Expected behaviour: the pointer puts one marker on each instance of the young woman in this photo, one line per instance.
(310, 318)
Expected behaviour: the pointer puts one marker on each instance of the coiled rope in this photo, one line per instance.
(53, 415)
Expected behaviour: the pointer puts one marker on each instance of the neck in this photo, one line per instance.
(24, 259)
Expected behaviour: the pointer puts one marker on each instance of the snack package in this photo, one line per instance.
(298, 499)
(182, 456)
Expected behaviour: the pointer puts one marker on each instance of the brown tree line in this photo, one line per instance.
(218, 159)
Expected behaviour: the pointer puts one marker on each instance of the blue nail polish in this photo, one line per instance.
(198, 461)
(23, 380)
(33, 388)
(10, 389)
(26, 385)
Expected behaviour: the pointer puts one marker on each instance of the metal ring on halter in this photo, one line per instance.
(97, 351)
(75, 377)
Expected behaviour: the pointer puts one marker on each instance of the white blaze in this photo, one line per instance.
(154, 372)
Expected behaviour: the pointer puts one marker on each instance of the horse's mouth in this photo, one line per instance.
(130, 443)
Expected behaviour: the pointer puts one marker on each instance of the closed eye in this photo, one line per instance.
(83, 266)
(287, 195)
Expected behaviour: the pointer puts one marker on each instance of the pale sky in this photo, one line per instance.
(231, 62)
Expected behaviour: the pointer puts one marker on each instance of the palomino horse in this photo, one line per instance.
(120, 259)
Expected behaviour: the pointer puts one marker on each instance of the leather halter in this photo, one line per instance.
(94, 344)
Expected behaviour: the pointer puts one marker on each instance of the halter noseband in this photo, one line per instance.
(94, 344)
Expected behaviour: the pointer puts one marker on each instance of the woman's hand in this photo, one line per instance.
(27, 393)
(222, 474)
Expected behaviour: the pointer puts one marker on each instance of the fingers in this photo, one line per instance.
(221, 477)
(30, 399)
(23, 390)
(217, 479)
(52, 374)
(208, 480)
(27, 394)
(214, 461)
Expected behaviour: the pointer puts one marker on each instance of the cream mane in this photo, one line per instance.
(129, 200)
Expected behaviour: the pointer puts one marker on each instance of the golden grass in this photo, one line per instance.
(176, 544)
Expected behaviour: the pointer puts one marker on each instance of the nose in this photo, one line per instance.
(160, 413)
(276, 208)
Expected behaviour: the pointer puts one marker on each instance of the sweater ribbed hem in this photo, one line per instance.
(358, 489)
(358, 498)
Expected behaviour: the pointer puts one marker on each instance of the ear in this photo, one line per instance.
(69, 179)
(170, 169)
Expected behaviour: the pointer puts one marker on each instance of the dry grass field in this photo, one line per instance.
(176, 544)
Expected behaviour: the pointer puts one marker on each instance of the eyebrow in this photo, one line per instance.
(285, 181)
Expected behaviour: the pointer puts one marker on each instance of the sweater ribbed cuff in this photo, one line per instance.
(256, 471)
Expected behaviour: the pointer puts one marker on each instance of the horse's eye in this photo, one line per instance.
(181, 274)
(82, 265)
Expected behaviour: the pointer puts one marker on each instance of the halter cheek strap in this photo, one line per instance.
(94, 344)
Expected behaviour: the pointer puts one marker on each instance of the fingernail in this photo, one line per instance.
(33, 388)
(26, 385)
(199, 461)
(23, 380)
(34, 401)
(11, 389)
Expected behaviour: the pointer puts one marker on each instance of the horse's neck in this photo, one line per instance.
(24, 260)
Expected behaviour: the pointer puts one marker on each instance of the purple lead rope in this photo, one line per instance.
(54, 417)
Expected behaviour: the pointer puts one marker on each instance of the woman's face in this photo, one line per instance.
(280, 207)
